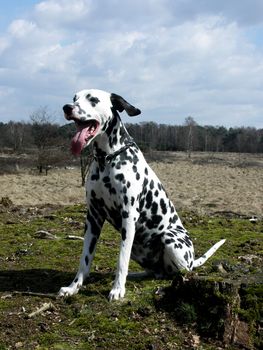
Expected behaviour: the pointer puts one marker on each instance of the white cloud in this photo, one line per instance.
(170, 58)
(54, 12)
(21, 28)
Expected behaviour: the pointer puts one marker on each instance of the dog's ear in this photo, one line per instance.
(120, 105)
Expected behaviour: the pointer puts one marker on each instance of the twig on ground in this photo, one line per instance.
(42, 234)
(75, 237)
(44, 307)
(44, 295)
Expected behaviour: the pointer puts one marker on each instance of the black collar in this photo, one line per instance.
(108, 158)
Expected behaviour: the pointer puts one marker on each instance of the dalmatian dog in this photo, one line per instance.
(122, 189)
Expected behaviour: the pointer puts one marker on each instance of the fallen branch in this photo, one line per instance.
(75, 237)
(45, 307)
(43, 295)
(42, 234)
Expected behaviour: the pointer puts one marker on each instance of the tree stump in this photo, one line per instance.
(227, 310)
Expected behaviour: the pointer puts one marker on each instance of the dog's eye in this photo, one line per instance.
(75, 98)
(93, 100)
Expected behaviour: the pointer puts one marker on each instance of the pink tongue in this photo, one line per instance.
(79, 141)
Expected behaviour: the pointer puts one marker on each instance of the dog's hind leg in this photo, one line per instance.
(178, 251)
(92, 231)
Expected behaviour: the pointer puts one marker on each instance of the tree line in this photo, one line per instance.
(193, 137)
(43, 134)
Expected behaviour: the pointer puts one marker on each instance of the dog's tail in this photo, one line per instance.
(210, 252)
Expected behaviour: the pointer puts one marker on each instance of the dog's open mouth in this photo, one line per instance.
(86, 131)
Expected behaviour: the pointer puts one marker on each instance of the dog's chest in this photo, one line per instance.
(118, 186)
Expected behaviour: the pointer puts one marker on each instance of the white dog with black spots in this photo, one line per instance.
(122, 189)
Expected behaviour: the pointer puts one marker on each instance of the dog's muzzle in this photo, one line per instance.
(87, 129)
(68, 111)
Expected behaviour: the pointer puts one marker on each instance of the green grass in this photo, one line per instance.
(87, 320)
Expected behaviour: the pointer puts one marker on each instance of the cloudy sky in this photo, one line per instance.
(170, 58)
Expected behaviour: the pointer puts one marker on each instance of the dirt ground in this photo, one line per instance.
(205, 183)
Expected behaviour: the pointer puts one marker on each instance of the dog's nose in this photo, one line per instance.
(68, 109)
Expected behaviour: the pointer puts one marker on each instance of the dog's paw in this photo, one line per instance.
(116, 293)
(67, 292)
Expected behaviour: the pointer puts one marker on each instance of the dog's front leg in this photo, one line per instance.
(92, 231)
(128, 232)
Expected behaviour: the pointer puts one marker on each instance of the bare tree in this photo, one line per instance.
(44, 134)
(15, 133)
(191, 126)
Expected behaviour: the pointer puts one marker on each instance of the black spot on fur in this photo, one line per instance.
(188, 241)
(170, 234)
(106, 179)
(154, 208)
(93, 100)
(154, 221)
(145, 183)
(141, 204)
(92, 245)
(95, 228)
(95, 177)
(120, 177)
(118, 165)
(125, 214)
(105, 126)
(134, 168)
(135, 159)
(125, 200)
(149, 199)
(111, 125)
(163, 206)
(111, 189)
(169, 241)
(86, 259)
(173, 219)
(123, 234)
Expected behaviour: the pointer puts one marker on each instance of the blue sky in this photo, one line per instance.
(170, 58)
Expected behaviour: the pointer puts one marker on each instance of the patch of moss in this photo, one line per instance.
(88, 320)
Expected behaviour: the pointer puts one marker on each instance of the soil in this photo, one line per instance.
(204, 183)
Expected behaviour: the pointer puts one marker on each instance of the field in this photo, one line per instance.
(206, 183)
(216, 195)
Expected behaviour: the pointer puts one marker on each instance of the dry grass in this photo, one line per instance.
(206, 183)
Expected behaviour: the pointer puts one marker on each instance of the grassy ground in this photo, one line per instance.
(87, 320)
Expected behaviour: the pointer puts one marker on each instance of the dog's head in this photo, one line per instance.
(91, 111)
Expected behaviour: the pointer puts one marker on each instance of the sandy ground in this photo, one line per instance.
(206, 185)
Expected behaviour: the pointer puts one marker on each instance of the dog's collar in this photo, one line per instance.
(86, 159)
(108, 158)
